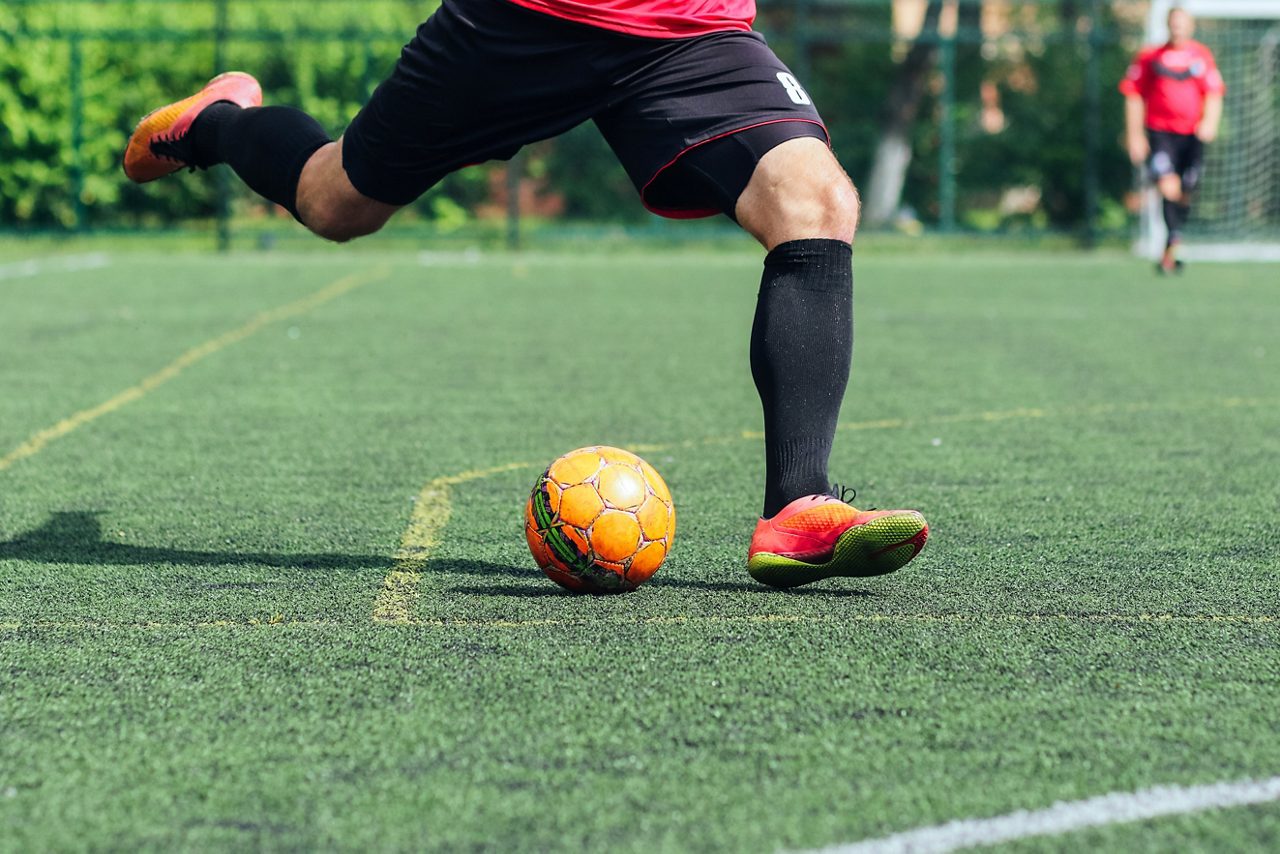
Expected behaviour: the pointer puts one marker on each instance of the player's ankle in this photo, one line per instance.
(206, 133)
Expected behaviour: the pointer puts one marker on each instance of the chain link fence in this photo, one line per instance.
(991, 116)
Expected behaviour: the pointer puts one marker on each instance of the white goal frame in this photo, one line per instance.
(1151, 230)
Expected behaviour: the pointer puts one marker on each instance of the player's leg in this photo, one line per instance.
(782, 184)
(1179, 194)
(803, 208)
(330, 205)
(1163, 165)
(722, 126)
(1176, 209)
(281, 153)
(798, 191)
(478, 81)
(286, 157)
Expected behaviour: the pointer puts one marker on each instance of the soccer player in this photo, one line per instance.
(1173, 105)
(704, 118)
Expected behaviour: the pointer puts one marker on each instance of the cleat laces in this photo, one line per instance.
(847, 494)
(174, 148)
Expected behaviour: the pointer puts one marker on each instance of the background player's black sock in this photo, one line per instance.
(1175, 217)
(801, 347)
(266, 146)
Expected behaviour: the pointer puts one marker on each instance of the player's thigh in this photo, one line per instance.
(691, 95)
(1162, 164)
(479, 80)
(1191, 164)
(798, 191)
(330, 205)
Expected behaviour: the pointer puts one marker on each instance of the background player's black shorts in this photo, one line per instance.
(484, 77)
(1180, 154)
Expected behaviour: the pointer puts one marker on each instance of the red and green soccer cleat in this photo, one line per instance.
(820, 536)
(159, 144)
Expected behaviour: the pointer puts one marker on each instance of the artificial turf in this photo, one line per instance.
(189, 659)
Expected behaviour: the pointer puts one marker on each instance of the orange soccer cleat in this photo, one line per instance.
(159, 143)
(820, 536)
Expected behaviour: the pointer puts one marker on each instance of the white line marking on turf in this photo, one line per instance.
(1115, 808)
(56, 264)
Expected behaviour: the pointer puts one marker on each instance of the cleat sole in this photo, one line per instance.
(877, 547)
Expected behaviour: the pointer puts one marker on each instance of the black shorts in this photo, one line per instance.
(1180, 154)
(482, 78)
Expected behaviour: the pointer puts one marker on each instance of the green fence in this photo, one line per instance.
(1015, 128)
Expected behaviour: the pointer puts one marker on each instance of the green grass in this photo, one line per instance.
(188, 658)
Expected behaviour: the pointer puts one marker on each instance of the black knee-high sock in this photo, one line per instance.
(1175, 217)
(266, 146)
(801, 348)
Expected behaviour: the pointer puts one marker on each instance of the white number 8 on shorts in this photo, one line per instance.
(794, 90)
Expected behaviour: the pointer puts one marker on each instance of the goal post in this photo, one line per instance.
(1236, 214)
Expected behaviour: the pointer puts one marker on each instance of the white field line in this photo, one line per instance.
(1116, 808)
(54, 264)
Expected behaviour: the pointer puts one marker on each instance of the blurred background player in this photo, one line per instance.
(704, 118)
(1173, 105)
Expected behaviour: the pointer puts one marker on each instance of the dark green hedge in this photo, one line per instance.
(84, 71)
(87, 71)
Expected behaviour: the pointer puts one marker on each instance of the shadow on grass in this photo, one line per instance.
(76, 537)
(538, 586)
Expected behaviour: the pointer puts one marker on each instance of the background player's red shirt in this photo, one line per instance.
(659, 19)
(1173, 82)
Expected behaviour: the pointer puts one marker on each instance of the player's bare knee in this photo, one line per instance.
(1170, 187)
(843, 208)
(827, 209)
(330, 206)
(341, 223)
(326, 223)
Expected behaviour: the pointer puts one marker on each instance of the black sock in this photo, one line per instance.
(801, 348)
(266, 146)
(1175, 217)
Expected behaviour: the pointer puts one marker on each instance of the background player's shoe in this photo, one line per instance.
(1169, 263)
(159, 144)
(820, 536)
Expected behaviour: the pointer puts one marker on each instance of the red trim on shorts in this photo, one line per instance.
(699, 213)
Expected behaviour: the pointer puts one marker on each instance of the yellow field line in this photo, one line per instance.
(39, 440)
(1024, 413)
(431, 512)
(1030, 413)
(434, 506)
(278, 620)
(753, 619)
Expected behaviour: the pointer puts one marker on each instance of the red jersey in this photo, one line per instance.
(1173, 82)
(657, 19)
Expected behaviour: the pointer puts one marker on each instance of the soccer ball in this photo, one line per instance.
(600, 520)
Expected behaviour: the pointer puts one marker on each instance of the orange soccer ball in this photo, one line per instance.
(600, 520)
